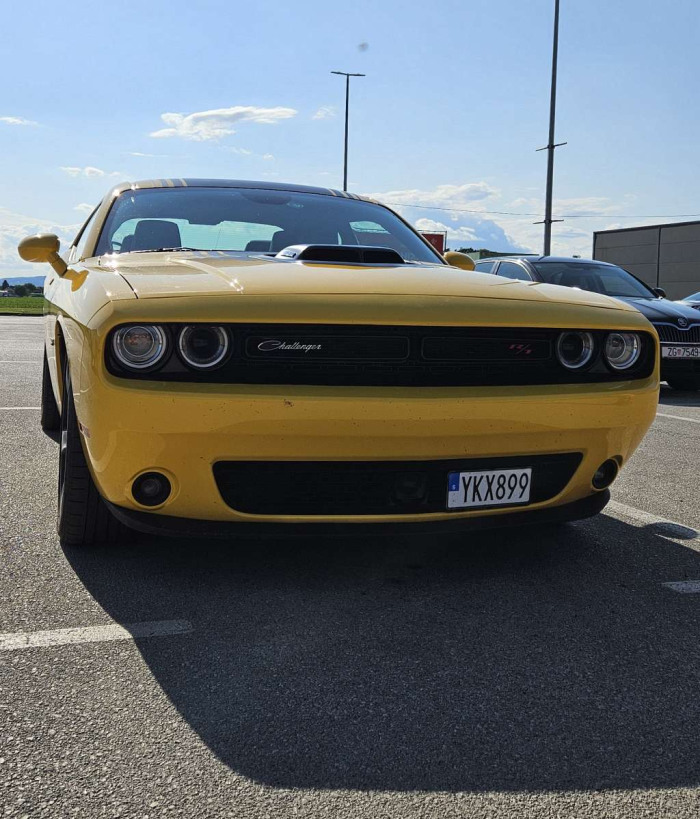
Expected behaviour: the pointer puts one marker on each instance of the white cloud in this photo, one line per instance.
(325, 112)
(89, 171)
(457, 209)
(83, 207)
(460, 233)
(468, 213)
(218, 123)
(568, 237)
(463, 198)
(13, 228)
(140, 153)
(246, 152)
(17, 121)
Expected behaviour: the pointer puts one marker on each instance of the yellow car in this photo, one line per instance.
(229, 357)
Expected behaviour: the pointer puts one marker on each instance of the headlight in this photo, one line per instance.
(203, 346)
(140, 345)
(622, 350)
(575, 349)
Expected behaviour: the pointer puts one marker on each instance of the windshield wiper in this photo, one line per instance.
(165, 249)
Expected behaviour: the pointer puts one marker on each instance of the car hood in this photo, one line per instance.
(663, 310)
(163, 275)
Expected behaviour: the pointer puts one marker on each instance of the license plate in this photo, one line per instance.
(681, 351)
(489, 488)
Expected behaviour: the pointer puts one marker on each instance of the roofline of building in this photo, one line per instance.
(648, 227)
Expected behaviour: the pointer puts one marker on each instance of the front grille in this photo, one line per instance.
(667, 332)
(389, 356)
(371, 487)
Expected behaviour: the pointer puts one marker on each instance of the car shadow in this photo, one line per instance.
(516, 660)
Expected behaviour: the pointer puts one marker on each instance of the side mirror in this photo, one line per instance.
(461, 260)
(43, 247)
(660, 292)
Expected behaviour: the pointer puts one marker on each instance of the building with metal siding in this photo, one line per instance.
(665, 256)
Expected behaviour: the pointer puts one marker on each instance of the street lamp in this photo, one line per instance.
(347, 111)
(551, 144)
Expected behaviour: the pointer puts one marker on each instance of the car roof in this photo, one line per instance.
(233, 183)
(567, 259)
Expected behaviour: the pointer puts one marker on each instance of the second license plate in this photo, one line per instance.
(681, 351)
(488, 488)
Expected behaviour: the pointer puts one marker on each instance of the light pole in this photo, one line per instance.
(347, 114)
(551, 145)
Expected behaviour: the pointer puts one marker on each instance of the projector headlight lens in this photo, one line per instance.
(575, 349)
(203, 346)
(139, 346)
(622, 350)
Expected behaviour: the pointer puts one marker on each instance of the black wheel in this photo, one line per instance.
(83, 517)
(50, 416)
(688, 383)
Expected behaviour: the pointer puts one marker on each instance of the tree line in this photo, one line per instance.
(21, 289)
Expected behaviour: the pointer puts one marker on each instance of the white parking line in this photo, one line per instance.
(20, 408)
(678, 417)
(671, 527)
(93, 634)
(25, 361)
(684, 586)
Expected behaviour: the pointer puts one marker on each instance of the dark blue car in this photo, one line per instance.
(693, 300)
(677, 324)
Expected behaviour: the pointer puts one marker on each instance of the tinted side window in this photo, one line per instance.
(79, 242)
(513, 271)
(484, 267)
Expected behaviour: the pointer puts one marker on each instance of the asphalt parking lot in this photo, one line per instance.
(548, 673)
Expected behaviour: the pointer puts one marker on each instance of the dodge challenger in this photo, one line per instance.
(226, 357)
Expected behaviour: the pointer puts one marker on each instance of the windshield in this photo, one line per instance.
(251, 220)
(600, 278)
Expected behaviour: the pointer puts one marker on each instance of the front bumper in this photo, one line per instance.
(182, 430)
(164, 525)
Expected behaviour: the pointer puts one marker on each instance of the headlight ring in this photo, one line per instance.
(140, 346)
(575, 349)
(203, 346)
(622, 350)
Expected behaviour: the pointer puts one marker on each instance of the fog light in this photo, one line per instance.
(605, 474)
(151, 489)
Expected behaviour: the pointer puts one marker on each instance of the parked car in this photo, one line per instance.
(676, 323)
(224, 357)
(693, 301)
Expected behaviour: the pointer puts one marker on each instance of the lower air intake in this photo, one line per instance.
(370, 487)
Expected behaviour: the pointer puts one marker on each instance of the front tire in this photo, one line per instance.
(687, 383)
(50, 416)
(83, 517)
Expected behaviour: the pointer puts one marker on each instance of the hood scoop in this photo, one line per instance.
(342, 254)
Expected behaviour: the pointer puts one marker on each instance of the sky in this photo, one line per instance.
(444, 126)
